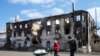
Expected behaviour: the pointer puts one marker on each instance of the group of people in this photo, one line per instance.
(72, 46)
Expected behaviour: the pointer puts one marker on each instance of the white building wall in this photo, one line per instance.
(22, 39)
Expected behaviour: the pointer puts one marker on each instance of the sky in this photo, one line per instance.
(30, 9)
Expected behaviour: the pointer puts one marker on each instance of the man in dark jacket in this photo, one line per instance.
(72, 45)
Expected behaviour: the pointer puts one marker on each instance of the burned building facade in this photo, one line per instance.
(79, 25)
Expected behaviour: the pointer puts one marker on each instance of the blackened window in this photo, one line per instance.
(14, 42)
(48, 23)
(48, 32)
(48, 43)
(57, 31)
(20, 26)
(57, 28)
(57, 21)
(84, 42)
(67, 25)
(83, 30)
(15, 26)
(48, 27)
(19, 33)
(79, 43)
(67, 30)
(14, 34)
(25, 33)
(78, 18)
(67, 21)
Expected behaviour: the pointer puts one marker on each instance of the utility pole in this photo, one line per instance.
(96, 19)
(73, 7)
(74, 21)
(73, 16)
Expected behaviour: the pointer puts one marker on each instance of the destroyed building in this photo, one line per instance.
(78, 24)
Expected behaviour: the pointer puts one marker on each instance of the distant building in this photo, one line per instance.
(95, 43)
(2, 38)
(78, 25)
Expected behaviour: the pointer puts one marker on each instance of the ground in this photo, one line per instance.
(20, 53)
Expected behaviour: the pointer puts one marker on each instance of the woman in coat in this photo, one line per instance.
(56, 48)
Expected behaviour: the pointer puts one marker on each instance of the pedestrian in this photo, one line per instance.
(56, 48)
(72, 46)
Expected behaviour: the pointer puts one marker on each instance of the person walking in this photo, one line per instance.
(72, 46)
(56, 48)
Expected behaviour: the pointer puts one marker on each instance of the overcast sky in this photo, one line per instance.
(30, 9)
